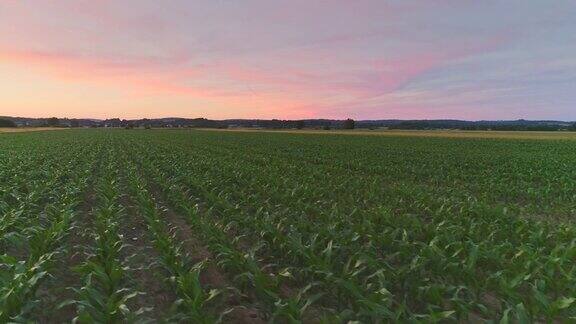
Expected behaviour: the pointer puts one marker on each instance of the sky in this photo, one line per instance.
(289, 59)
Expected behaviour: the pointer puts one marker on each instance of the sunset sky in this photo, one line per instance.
(409, 59)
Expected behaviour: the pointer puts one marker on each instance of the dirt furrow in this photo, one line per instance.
(240, 308)
(145, 274)
(58, 288)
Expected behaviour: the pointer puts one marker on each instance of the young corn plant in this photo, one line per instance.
(21, 277)
(250, 274)
(194, 299)
(104, 296)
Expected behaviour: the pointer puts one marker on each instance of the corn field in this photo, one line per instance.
(147, 226)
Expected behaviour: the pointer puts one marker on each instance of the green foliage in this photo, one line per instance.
(104, 296)
(348, 124)
(53, 122)
(39, 194)
(7, 123)
(391, 229)
(304, 228)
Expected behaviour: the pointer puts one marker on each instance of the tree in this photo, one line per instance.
(74, 123)
(7, 123)
(113, 122)
(300, 124)
(573, 127)
(53, 122)
(348, 124)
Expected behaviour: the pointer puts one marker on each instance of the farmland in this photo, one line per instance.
(27, 129)
(550, 135)
(250, 227)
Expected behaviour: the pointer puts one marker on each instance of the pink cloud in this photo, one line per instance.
(300, 79)
(144, 73)
(290, 91)
(290, 58)
(142, 77)
(395, 73)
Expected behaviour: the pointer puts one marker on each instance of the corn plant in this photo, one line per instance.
(184, 276)
(104, 296)
(307, 228)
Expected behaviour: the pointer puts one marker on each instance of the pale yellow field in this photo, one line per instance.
(560, 135)
(27, 129)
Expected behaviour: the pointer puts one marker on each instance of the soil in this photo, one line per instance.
(238, 310)
(146, 275)
(56, 289)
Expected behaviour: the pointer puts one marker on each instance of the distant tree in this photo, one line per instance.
(573, 127)
(326, 127)
(7, 123)
(113, 122)
(300, 124)
(53, 122)
(74, 123)
(146, 124)
(348, 124)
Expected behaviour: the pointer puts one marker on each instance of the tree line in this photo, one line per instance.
(326, 124)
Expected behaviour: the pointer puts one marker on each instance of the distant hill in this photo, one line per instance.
(521, 124)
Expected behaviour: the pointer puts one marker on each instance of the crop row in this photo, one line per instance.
(438, 263)
(47, 215)
(295, 228)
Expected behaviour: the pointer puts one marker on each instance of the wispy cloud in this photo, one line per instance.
(365, 59)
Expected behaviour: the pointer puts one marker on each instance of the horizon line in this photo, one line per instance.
(297, 119)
